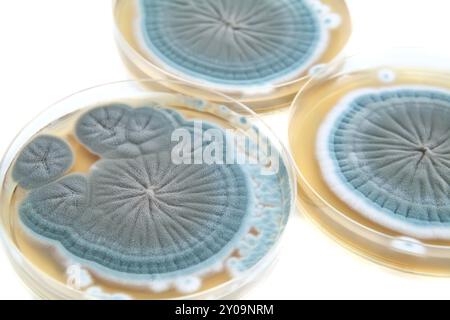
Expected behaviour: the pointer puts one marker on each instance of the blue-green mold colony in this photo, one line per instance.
(391, 149)
(44, 159)
(138, 216)
(228, 42)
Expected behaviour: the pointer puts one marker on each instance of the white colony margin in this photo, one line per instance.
(351, 196)
(186, 283)
(253, 249)
(323, 13)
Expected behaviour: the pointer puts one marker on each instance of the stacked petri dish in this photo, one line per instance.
(369, 137)
(120, 192)
(259, 52)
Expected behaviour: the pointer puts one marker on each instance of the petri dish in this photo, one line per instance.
(265, 50)
(353, 134)
(118, 192)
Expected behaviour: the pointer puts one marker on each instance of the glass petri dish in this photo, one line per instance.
(71, 234)
(376, 89)
(324, 28)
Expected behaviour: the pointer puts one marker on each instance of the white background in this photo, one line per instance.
(52, 48)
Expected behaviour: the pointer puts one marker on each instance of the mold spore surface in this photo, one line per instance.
(51, 209)
(232, 43)
(119, 131)
(136, 213)
(43, 160)
(386, 153)
(144, 215)
(139, 218)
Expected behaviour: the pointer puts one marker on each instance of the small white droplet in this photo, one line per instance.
(409, 245)
(98, 293)
(224, 110)
(159, 286)
(386, 75)
(315, 70)
(188, 284)
(77, 277)
(218, 267)
(332, 20)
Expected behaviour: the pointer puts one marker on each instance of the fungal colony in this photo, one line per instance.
(233, 45)
(386, 153)
(136, 217)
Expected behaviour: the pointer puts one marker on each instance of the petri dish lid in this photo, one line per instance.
(83, 223)
(258, 52)
(368, 139)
